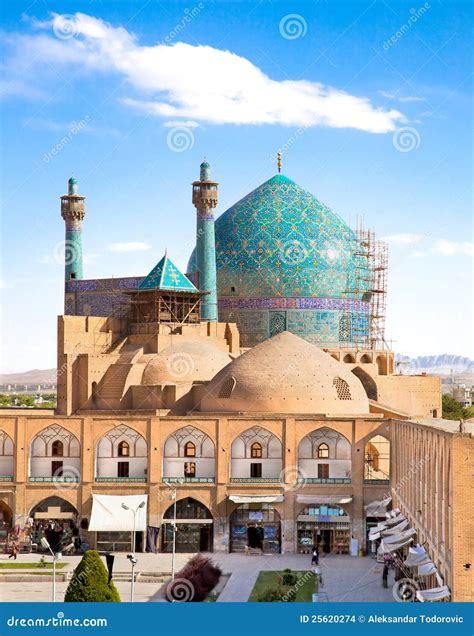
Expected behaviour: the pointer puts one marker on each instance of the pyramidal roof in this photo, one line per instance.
(166, 276)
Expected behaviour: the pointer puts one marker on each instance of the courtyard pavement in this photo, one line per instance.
(346, 578)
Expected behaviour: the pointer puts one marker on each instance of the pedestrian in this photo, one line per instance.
(315, 557)
(385, 575)
(14, 551)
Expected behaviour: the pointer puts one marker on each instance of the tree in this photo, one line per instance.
(90, 582)
(452, 409)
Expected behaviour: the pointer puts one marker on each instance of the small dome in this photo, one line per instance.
(72, 185)
(204, 171)
(185, 362)
(286, 375)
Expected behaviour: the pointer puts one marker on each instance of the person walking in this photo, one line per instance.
(315, 556)
(14, 551)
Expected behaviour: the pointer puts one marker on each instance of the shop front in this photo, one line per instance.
(324, 523)
(194, 527)
(255, 524)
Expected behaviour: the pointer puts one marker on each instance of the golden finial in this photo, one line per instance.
(279, 162)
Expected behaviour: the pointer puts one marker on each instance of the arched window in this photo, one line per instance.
(57, 448)
(377, 459)
(372, 456)
(323, 451)
(256, 450)
(189, 449)
(342, 388)
(123, 449)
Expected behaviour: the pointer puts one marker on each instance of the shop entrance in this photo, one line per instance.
(255, 526)
(194, 529)
(327, 527)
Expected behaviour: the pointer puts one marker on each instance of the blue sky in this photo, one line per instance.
(369, 101)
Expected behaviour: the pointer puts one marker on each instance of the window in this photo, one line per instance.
(190, 469)
(256, 470)
(189, 449)
(342, 388)
(323, 451)
(323, 471)
(124, 451)
(226, 388)
(256, 451)
(57, 448)
(56, 469)
(373, 456)
(123, 469)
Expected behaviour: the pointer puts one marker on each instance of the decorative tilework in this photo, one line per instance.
(166, 276)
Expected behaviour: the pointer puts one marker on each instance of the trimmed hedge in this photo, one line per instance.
(89, 583)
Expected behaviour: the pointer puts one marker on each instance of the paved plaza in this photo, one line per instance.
(351, 579)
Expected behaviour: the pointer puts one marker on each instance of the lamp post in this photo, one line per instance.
(56, 557)
(173, 558)
(134, 512)
(131, 557)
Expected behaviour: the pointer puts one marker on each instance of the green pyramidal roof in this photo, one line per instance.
(165, 275)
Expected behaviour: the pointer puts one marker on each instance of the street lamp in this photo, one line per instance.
(131, 557)
(173, 559)
(134, 512)
(56, 556)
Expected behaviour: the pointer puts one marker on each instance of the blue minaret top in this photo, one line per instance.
(205, 171)
(72, 186)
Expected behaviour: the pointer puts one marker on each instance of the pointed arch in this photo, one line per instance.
(367, 381)
(121, 455)
(189, 455)
(377, 459)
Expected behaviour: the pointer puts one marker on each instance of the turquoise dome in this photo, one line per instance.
(281, 248)
(282, 241)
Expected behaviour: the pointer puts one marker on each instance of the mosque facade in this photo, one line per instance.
(247, 389)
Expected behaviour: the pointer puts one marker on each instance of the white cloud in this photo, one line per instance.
(169, 80)
(132, 246)
(403, 239)
(188, 123)
(451, 248)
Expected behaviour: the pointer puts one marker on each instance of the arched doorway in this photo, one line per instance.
(6, 517)
(327, 526)
(56, 519)
(367, 382)
(194, 527)
(256, 526)
(377, 460)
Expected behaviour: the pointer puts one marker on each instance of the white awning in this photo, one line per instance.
(394, 520)
(416, 556)
(392, 547)
(323, 499)
(377, 508)
(400, 536)
(435, 594)
(394, 529)
(109, 515)
(427, 569)
(241, 499)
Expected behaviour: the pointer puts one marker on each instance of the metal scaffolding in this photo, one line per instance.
(377, 258)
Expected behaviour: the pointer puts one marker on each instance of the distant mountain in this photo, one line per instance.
(36, 376)
(445, 364)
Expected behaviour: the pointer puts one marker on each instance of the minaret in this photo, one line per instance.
(73, 212)
(205, 200)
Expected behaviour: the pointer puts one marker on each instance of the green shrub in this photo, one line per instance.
(89, 583)
(288, 578)
(277, 595)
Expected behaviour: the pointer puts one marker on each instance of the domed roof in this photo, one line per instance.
(185, 362)
(286, 374)
(281, 241)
